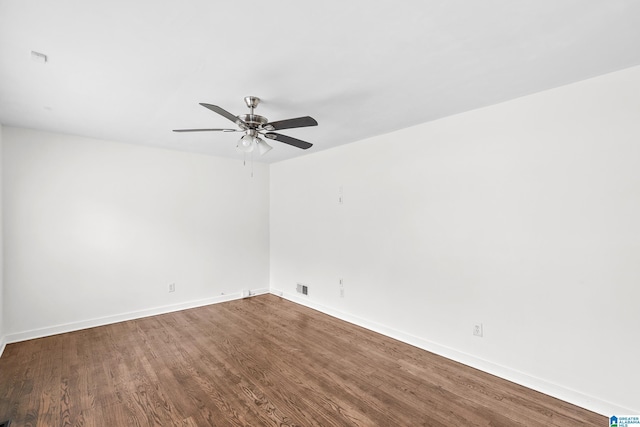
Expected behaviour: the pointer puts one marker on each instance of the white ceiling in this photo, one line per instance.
(133, 70)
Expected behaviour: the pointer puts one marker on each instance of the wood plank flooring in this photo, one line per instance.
(262, 361)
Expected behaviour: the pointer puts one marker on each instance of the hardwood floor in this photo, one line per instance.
(262, 361)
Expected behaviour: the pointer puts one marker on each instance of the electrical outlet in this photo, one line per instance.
(477, 329)
(341, 288)
(172, 287)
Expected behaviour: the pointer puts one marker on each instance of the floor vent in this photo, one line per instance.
(302, 289)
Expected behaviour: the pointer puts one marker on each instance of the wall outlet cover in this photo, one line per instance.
(477, 330)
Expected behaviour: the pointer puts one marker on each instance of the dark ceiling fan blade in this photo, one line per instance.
(298, 122)
(206, 130)
(288, 140)
(227, 115)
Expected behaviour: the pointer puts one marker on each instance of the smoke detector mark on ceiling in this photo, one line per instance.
(38, 57)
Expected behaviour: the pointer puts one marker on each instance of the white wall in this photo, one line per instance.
(524, 216)
(2, 310)
(95, 231)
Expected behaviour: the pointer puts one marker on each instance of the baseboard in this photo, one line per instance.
(101, 321)
(3, 344)
(256, 292)
(571, 396)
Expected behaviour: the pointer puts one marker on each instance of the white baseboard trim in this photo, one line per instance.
(101, 321)
(568, 395)
(3, 344)
(261, 291)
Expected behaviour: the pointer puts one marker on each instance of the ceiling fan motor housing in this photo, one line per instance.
(253, 120)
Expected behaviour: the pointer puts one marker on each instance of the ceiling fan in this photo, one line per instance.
(255, 126)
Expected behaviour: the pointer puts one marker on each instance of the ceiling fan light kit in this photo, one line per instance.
(254, 126)
(263, 147)
(250, 141)
(245, 145)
